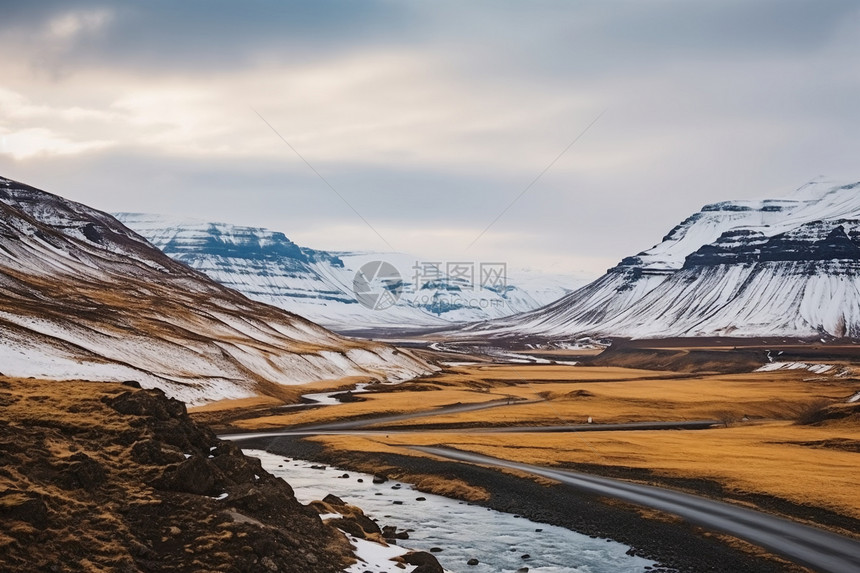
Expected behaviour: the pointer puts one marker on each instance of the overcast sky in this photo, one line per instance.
(429, 118)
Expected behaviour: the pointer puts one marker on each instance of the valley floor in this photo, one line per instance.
(785, 441)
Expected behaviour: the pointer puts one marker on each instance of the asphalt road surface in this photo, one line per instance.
(815, 548)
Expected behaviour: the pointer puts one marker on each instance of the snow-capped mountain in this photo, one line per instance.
(774, 267)
(82, 296)
(266, 266)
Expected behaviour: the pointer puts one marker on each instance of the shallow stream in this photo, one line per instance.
(499, 541)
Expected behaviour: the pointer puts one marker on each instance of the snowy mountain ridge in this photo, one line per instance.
(775, 267)
(82, 296)
(818, 200)
(266, 266)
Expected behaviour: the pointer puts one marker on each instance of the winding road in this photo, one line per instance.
(358, 427)
(815, 548)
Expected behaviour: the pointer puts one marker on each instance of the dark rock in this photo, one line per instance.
(348, 397)
(526, 556)
(23, 506)
(91, 233)
(266, 501)
(390, 533)
(350, 526)
(234, 465)
(472, 562)
(318, 467)
(420, 499)
(426, 563)
(379, 479)
(194, 475)
(334, 500)
(132, 384)
(436, 550)
(366, 523)
(185, 435)
(152, 452)
(82, 472)
(150, 403)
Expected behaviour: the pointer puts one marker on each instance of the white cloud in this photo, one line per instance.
(70, 25)
(34, 143)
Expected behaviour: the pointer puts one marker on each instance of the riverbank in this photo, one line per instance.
(464, 537)
(674, 544)
(98, 476)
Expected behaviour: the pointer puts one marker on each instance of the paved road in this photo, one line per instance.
(355, 428)
(815, 548)
(355, 424)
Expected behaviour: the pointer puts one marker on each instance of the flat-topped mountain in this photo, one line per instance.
(775, 267)
(266, 266)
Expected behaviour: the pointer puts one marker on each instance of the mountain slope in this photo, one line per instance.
(82, 296)
(776, 267)
(266, 266)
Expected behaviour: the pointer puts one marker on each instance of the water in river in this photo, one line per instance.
(499, 541)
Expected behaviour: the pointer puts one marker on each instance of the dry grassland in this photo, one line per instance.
(375, 404)
(761, 451)
(723, 397)
(801, 464)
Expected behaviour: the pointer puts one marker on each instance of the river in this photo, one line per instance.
(499, 541)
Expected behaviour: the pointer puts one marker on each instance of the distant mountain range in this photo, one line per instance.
(320, 286)
(776, 267)
(82, 296)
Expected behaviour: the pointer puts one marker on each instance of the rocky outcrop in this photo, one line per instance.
(97, 476)
(426, 562)
(819, 241)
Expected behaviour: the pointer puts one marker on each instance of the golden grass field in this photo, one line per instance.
(763, 459)
(724, 397)
(759, 450)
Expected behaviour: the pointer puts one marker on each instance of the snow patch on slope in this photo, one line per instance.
(775, 267)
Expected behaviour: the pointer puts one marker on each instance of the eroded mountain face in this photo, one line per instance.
(780, 267)
(319, 285)
(82, 296)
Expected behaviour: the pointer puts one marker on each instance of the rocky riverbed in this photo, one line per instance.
(671, 543)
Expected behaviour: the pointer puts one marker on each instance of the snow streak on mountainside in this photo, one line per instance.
(82, 296)
(266, 266)
(776, 267)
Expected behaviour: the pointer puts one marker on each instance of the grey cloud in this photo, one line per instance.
(198, 35)
(707, 101)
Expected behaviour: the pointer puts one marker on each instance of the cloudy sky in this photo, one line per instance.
(428, 119)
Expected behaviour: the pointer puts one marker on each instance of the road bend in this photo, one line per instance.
(821, 550)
